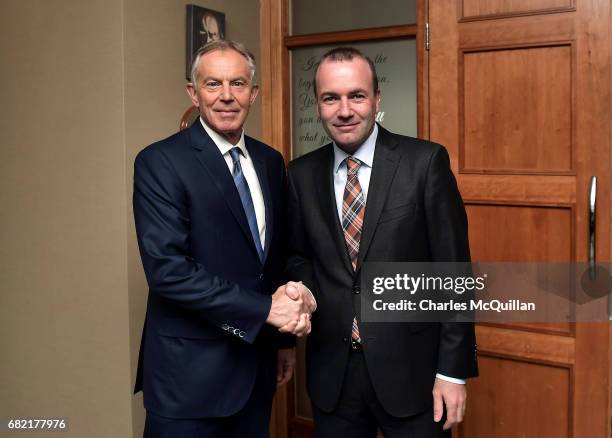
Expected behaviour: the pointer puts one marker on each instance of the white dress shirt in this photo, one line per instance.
(248, 170)
(365, 154)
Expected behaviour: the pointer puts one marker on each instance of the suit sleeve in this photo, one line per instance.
(299, 265)
(162, 221)
(448, 239)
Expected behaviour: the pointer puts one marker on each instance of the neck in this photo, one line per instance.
(232, 137)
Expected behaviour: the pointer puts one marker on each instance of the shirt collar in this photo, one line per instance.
(364, 153)
(224, 145)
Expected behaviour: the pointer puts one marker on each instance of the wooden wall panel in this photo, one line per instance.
(540, 347)
(505, 394)
(534, 189)
(527, 387)
(516, 110)
(474, 9)
(557, 328)
(520, 233)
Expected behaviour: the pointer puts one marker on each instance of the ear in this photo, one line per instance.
(191, 92)
(254, 93)
(377, 101)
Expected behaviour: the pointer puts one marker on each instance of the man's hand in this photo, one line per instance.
(297, 291)
(299, 328)
(289, 314)
(286, 365)
(453, 395)
(284, 309)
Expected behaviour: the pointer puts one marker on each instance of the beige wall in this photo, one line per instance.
(84, 85)
(63, 305)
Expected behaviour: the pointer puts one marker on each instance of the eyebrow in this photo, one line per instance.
(212, 78)
(355, 91)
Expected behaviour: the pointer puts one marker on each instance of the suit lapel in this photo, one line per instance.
(325, 187)
(262, 175)
(384, 167)
(214, 163)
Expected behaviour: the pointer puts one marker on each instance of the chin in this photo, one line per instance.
(349, 148)
(348, 142)
(226, 127)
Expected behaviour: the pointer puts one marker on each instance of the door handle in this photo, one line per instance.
(593, 271)
(592, 221)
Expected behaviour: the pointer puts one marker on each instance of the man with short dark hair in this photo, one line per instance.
(209, 207)
(374, 196)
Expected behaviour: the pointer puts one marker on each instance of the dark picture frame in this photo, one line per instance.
(203, 25)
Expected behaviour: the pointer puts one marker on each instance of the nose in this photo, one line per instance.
(226, 93)
(345, 111)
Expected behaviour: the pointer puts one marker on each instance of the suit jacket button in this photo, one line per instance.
(345, 340)
(261, 277)
(356, 290)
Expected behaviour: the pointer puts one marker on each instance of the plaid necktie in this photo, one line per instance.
(245, 197)
(353, 210)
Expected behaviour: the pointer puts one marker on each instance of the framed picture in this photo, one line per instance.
(203, 25)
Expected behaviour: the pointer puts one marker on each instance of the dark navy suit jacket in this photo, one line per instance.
(209, 294)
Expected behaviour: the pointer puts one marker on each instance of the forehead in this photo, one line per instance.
(223, 63)
(336, 76)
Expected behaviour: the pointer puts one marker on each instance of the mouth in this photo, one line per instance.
(346, 127)
(226, 113)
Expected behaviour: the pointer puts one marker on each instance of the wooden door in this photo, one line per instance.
(520, 95)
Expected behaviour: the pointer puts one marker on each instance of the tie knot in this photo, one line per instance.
(352, 165)
(235, 153)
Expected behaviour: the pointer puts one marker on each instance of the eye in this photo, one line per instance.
(212, 84)
(329, 99)
(358, 97)
(238, 83)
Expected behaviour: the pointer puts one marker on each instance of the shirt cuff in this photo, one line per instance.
(450, 379)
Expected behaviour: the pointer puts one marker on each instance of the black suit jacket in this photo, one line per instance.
(414, 213)
(209, 293)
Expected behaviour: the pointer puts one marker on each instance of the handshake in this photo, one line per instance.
(292, 305)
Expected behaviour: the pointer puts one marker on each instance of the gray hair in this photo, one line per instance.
(221, 45)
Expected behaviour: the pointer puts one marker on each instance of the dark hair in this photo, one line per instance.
(340, 54)
(221, 45)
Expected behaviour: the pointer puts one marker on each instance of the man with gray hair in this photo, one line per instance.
(209, 207)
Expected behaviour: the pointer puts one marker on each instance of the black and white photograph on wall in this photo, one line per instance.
(203, 26)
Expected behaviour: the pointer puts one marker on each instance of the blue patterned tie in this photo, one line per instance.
(245, 197)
